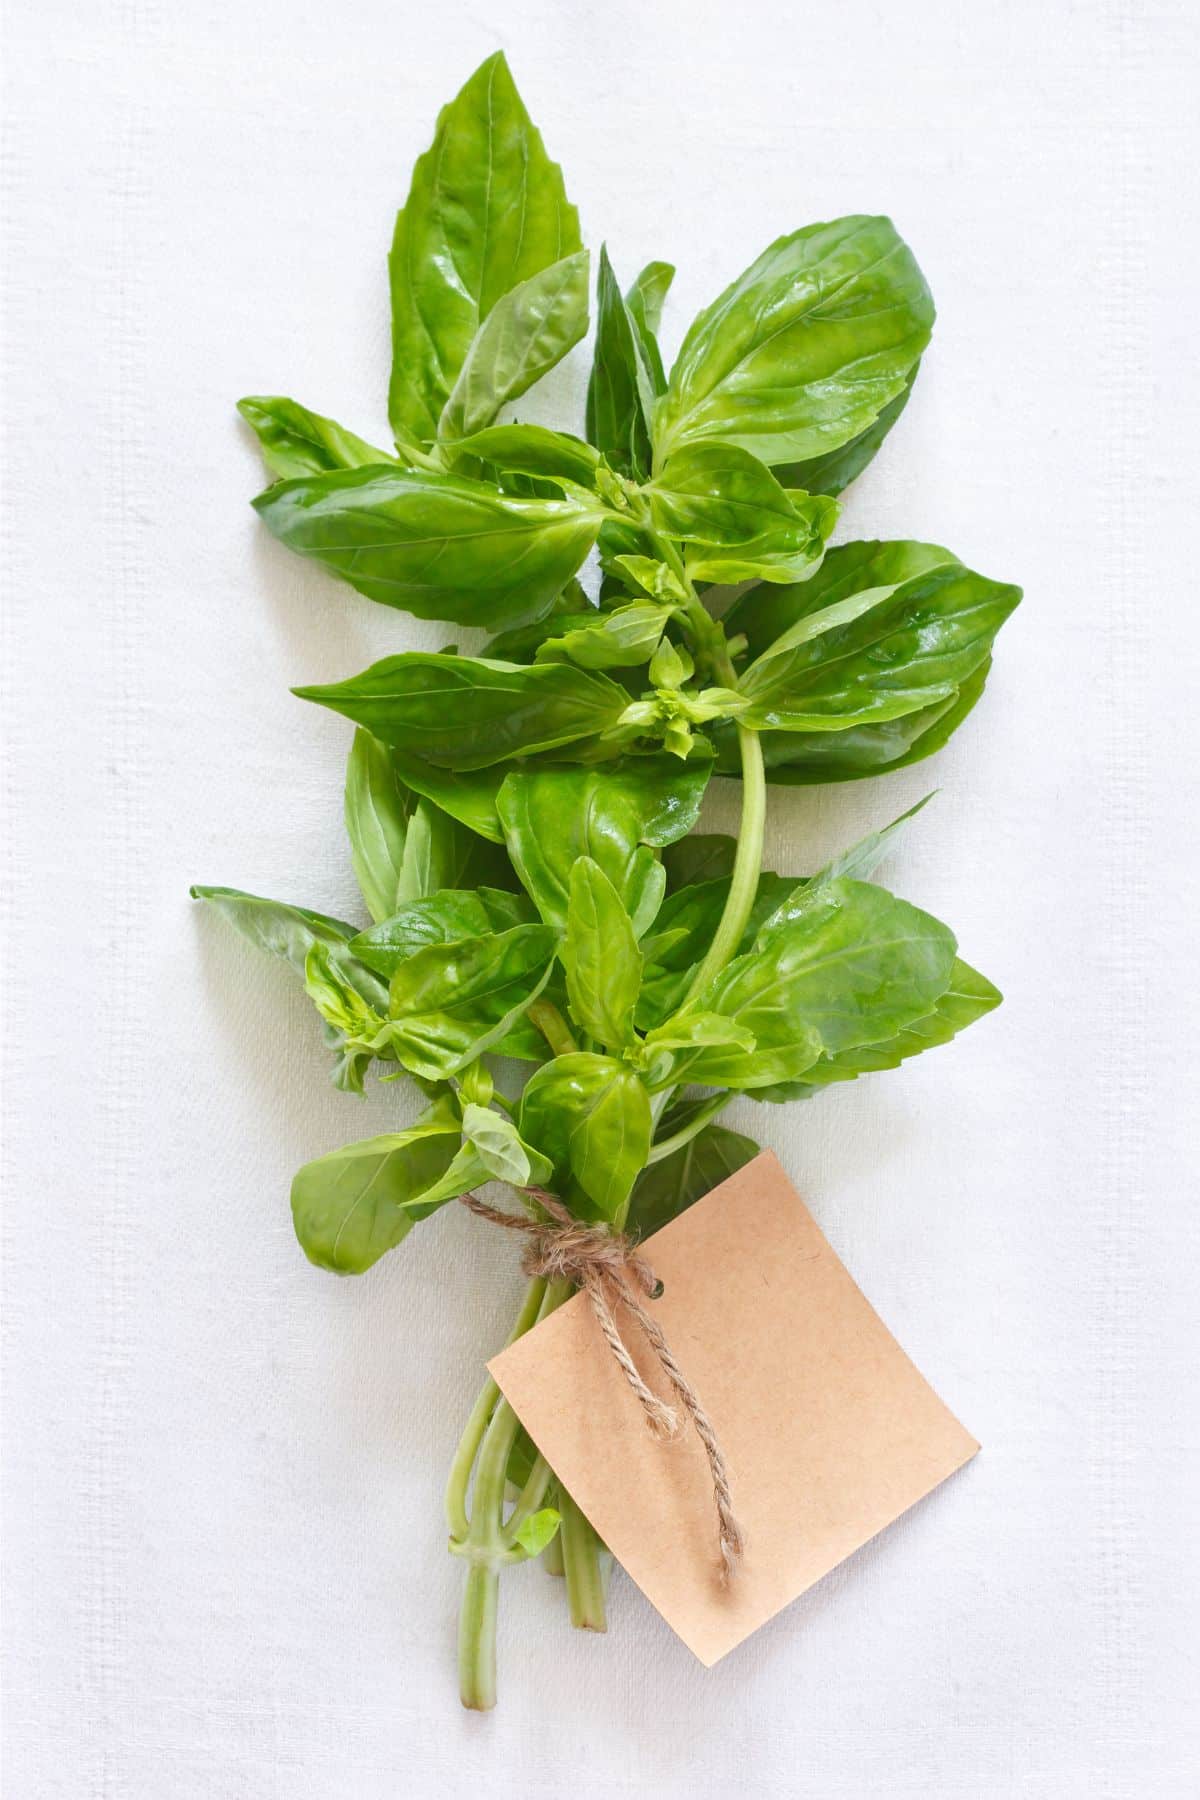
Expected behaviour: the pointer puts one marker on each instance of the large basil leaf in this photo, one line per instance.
(669, 1187)
(621, 389)
(879, 653)
(525, 334)
(551, 817)
(440, 546)
(295, 441)
(467, 795)
(451, 1002)
(855, 967)
(601, 957)
(377, 809)
(763, 614)
(591, 1116)
(833, 472)
(486, 210)
(461, 712)
(805, 349)
(354, 1204)
(441, 918)
(718, 494)
(532, 450)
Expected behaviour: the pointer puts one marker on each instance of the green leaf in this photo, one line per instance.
(669, 1187)
(703, 856)
(833, 472)
(377, 808)
(440, 546)
(532, 450)
(526, 333)
(441, 918)
(879, 652)
(460, 712)
(486, 210)
(763, 615)
(551, 817)
(591, 1116)
(354, 1204)
(451, 1002)
(718, 494)
(860, 861)
(785, 555)
(644, 302)
(501, 1150)
(601, 957)
(622, 639)
(339, 1000)
(441, 853)
(672, 1049)
(621, 389)
(856, 966)
(295, 441)
(281, 930)
(534, 1533)
(688, 921)
(805, 349)
(468, 796)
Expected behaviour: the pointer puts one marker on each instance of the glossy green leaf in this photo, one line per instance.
(621, 639)
(295, 441)
(712, 493)
(440, 546)
(688, 919)
(859, 861)
(526, 333)
(621, 389)
(671, 1050)
(532, 450)
(275, 926)
(833, 472)
(644, 302)
(441, 853)
(613, 813)
(377, 808)
(600, 955)
(461, 712)
(501, 1149)
(533, 1534)
(805, 349)
(486, 210)
(857, 966)
(440, 918)
(467, 795)
(451, 1002)
(788, 554)
(701, 856)
(591, 1116)
(669, 1187)
(356, 1203)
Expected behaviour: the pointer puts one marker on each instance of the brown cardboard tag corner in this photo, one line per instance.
(829, 1431)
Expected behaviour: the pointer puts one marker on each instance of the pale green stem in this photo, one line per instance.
(477, 1424)
(581, 1565)
(747, 865)
(553, 1027)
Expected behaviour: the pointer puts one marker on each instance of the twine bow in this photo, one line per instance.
(609, 1270)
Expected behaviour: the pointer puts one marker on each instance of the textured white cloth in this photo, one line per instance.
(225, 1565)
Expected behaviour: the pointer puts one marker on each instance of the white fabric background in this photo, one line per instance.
(225, 1565)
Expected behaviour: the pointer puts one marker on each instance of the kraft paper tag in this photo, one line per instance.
(829, 1431)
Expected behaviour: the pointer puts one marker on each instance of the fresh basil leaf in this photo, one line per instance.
(621, 389)
(532, 450)
(805, 349)
(968, 997)
(551, 817)
(600, 955)
(275, 926)
(356, 1203)
(833, 472)
(688, 919)
(451, 1002)
(526, 333)
(536, 1532)
(467, 795)
(591, 1116)
(718, 494)
(651, 577)
(377, 808)
(340, 1000)
(440, 853)
(440, 546)
(784, 555)
(670, 1051)
(857, 966)
(441, 918)
(702, 856)
(295, 441)
(860, 861)
(669, 1187)
(644, 303)
(501, 1149)
(622, 639)
(487, 209)
(878, 653)
(762, 615)
(460, 712)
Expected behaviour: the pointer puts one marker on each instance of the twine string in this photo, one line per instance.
(609, 1270)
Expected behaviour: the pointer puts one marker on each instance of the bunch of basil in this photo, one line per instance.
(519, 819)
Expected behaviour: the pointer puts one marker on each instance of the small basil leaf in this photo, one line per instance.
(295, 441)
(787, 554)
(717, 494)
(451, 1002)
(669, 1187)
(644, 302)
(354, 1204)
(440, 546)
(621, 639)
(601, 958)
(621, 389)
(860, 861)
(468, 796)
(499, 1147)
(377, 808)
(672, 1049)
(442, 918)
(526, 333)
(533, 1534)
(805, 349)
(460, 712)
(591, 1116)
(833, 472)
(281, 930)
(532, 450)
(487, 209)
(440, 853)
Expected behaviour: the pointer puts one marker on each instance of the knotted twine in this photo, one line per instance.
(607, 1267)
